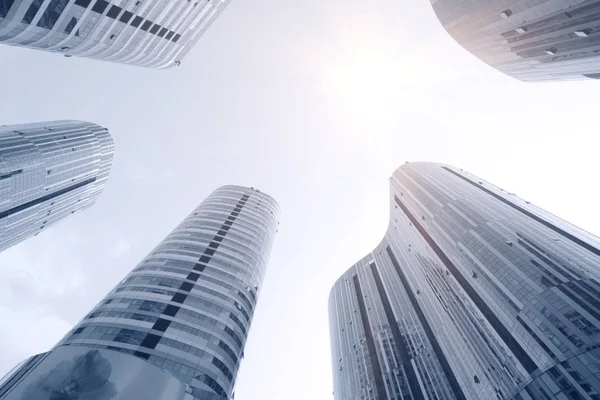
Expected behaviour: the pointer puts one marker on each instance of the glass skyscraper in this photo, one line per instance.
(534, 40)
(176, 326)
(49, 170)
(473, 293)
(148, 33)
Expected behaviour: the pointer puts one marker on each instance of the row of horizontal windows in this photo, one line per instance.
(47, 197)
(214, 269)
(186, 348)
(153, 280)
(173, 325)
(191, 300)
(197, 316)
(199, 333)
(174, 283)
(144, 289)
(129, 18)
(204, 277)
(130, 336)
(247, 218)
(238, 234)
(179, 369)
(95, 329)
(236, 262)
(154, 306)
(240, 259)
(125, 315)
(246, 224)
(175, 367)
(220, 202)
(238, 248)
(149, 306)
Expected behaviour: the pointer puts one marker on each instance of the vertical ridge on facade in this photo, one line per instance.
(400, 341)
(364, 317)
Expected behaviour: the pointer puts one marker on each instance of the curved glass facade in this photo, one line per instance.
(473, 293)
(534, 40)
(49, 170)
(149, 33)
(187, 307)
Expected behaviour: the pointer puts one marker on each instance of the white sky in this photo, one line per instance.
(314, 102)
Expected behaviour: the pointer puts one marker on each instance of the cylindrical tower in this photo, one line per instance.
(183, 314)
(49, 170)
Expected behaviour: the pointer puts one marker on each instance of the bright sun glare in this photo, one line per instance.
(369, 83)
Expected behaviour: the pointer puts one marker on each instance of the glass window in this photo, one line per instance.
(100, 6)
(113, 12)
(52, 13)
(71, 25)
(5, 6)
(126, 17)
(31, 11)
(137, 21)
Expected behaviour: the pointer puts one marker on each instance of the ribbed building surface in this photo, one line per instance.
(176, 326)
(472, 294)
(532, 40)
(147, 33)
(49, 170)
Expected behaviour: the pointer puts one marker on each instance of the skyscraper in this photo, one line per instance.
(147, 33)
(473, 293)
(176, 326)
(49, 170)
(537, 40)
